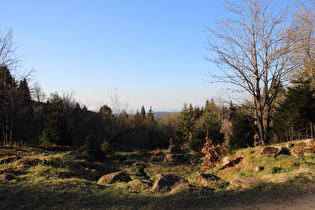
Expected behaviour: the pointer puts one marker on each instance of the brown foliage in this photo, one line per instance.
(213, 154)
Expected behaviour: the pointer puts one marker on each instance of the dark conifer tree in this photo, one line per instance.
(143, 114)
(150, 117)
(15, 103)
(296, 113)
(242, 130)
(212, 122)
(185, 125)
(56, 125)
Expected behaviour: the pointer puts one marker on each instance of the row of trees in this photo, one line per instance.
(259, 48)
(236, 125)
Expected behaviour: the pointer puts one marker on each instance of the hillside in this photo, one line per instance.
(45, 177)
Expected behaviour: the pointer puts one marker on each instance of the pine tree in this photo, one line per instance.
(93, 147)
(15, 102)
(56, 125)
(185, 125)
(150, 117)
(295, 114)
(242, 131)
(212, 122)
(143, 112)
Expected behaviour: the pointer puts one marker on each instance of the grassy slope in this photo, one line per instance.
(62, 179)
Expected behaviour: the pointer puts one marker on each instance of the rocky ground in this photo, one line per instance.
(274, 177)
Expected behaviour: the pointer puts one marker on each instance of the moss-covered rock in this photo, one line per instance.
(114, 177)
(303, 148)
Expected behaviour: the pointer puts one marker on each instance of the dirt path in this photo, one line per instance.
(305, 201)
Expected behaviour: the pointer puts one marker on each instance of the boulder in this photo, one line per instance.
(242, 183)
(271, 150)
(166, 181)
(231, 161)
(209, 180)
(137, 185)
(188, 189)
(303, 148)
(6, 176)
(119, 176)
(173, 158)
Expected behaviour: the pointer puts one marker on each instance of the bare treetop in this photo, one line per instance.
(253, 50)
(8, 49)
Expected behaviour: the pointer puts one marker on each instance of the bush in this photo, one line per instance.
(92, 148)
(56, 130)
(212, 153)
(106, 149)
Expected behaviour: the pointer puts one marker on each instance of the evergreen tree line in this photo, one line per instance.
(293, 117)
(62, 121)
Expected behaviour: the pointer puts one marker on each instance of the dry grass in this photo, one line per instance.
(61, 180)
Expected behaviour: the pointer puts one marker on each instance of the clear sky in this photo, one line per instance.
(150, 51)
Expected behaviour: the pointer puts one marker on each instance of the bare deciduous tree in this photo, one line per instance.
(254, 53)
(8, 49)
(37, 93)
(302, 33)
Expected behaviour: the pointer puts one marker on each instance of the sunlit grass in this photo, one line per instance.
(62, 180)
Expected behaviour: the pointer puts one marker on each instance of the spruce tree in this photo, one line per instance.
(212, 122)
(93, 147)
(15, 103)
(56, 125)
(143, 112)
(150, 117)
(295, 114)
(185, 125)
(242, 130)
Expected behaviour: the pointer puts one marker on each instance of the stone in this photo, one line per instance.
(136, 185)
(188, 189)
(210, 180)
(303, 148)
(258, 168)
(204, 179)
(173, 158)
(119, 176)
(166, 181)
(271, 150)
(242, 183)
(6, 176)
(231, 161)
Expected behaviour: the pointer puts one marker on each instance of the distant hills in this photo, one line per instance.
(162, 114)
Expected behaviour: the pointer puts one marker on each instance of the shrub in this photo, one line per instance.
(92, 148)
(212, 153)
(106, 148)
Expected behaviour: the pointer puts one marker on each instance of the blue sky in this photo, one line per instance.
(150, 51)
